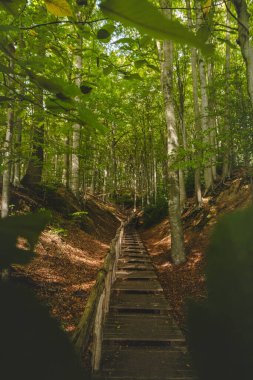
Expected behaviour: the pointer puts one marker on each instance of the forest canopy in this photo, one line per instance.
(141, 102)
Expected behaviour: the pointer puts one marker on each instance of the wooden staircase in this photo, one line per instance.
(140, 338)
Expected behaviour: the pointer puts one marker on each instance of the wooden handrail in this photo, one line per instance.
(91, 323)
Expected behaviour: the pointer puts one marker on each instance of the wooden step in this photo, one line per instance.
(132, 274)
(136, 328)
(137, 286)
(146, 363)
(138, 259)
(141, 266)
(134, 254)
(145, 303)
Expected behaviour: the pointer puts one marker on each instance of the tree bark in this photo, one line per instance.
(18, 144)
(244, 41)
(208, 175)
(75, 175)
(226, 167)
(194, 62)
(177, 238)
(7, 163)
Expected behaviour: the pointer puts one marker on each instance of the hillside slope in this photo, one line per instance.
(70, 250)
(187, 281)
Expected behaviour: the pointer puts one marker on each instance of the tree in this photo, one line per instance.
(177, 238)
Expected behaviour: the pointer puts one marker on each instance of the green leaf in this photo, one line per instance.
(5, 99)
(145, 41)
(103, 34)
(5, 69)
(82, 2)
(58, 86)
(12, 6)
(46, 83)
(107, 70)
(147, 19)
(59, 105)
(28, 227)
(124, 40)
(88, 117)
(59, 8)
(85, 88)
(204, 32)
(132, 76)
(140, 63)
(229, 43)
(7, 28)
(153, 67)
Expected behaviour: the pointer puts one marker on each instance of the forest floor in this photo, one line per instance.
(70, 251)
(187, 281)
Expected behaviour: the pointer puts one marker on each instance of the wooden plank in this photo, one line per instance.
(137, 286)
(138, 328)
(149, 363)
(132, 274)
(134, 259)
(144, 302)
(140, 266)
(134, 254)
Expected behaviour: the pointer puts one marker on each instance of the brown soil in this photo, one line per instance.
(187, 281)
(69, 252)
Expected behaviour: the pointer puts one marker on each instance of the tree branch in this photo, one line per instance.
(61, 22)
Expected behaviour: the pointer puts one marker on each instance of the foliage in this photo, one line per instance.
(147, 19)
(27, 227)
(221, 328)
(154, 214)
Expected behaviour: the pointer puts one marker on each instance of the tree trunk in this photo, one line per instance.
(75, 175)
(7, 163)
(17, 164)
(177, 238)
(35, 165)
(226, 167)
(244, 41)
(194, 61)
(208, 176)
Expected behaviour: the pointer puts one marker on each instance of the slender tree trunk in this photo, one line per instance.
(135, 191)
(177, 238)
(17, 164)
(35, 165)
(244, 41)
(226, 167)
(114, 161)
(194, 62)
(75, 175)
(208, 176)
(7, 163)
(212, 121)
(182, 190)
(66, 167)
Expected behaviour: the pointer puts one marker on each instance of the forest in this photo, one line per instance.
(138, 106)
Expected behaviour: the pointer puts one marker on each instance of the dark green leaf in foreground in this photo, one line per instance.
(89, 118)
(103, 34)
(85, 88)
(221, 327)
(12, 6)
(27, 227)
(8, 28)
(5, 69)
(147, 19)
(5, 99)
